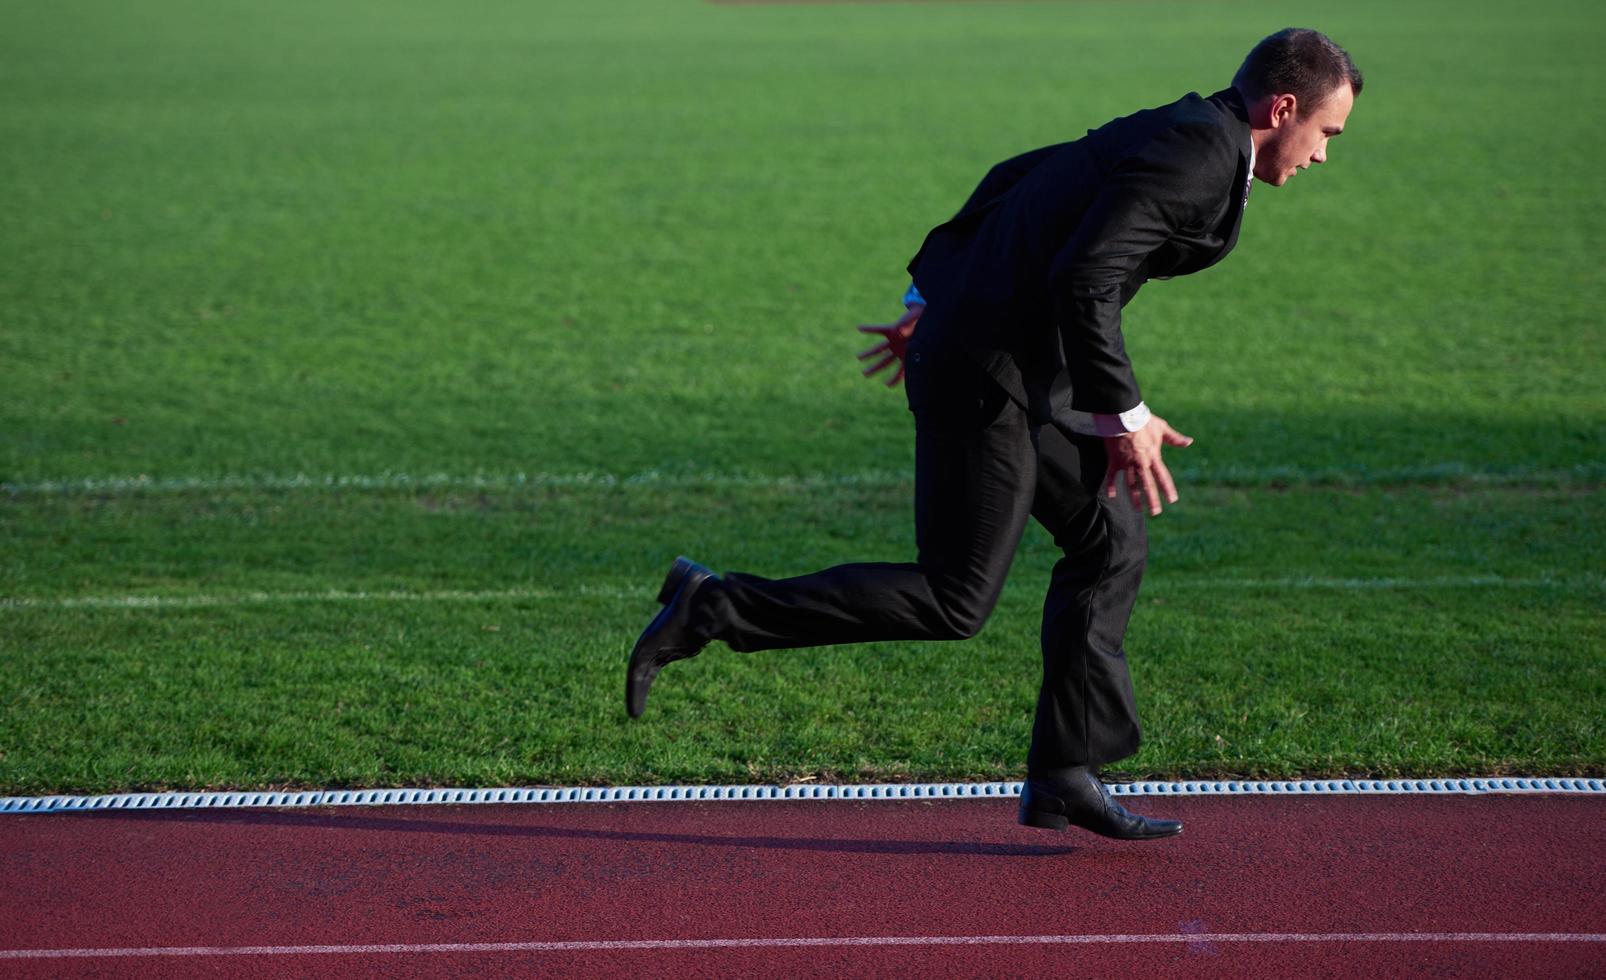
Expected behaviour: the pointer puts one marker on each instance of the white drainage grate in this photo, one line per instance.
(796, 791)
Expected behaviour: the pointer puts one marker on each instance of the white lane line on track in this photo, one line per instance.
(582, 479)
(1570, 584)
(849, 941)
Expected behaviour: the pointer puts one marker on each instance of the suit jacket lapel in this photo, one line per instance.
(1232, 105)
(1235, 210)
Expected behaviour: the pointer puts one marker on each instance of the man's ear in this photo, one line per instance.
(1272, 111)
(1281, 110)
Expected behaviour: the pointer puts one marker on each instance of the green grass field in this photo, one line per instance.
(365, 364)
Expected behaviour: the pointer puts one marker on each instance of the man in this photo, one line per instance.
(1025, 403)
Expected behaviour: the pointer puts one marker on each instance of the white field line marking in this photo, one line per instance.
(333, 595)
(582, 479)
(1569, 582)
(1573, 583)
(781, 942)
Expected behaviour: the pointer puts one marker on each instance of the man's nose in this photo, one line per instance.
(1320, 156)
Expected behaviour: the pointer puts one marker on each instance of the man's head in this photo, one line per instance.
(1299, 87)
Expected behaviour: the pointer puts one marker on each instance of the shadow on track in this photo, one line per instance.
(342, 822)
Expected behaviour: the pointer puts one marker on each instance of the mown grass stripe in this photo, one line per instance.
(1450, 472)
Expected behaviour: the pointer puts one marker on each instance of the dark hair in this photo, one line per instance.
(1298, 61)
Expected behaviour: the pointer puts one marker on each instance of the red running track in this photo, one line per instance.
(1256, 887)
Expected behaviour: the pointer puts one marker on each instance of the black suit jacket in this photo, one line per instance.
(1030, 276)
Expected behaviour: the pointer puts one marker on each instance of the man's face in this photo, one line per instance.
(1299, 137)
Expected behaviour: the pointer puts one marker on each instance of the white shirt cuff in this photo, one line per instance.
(1130, 420)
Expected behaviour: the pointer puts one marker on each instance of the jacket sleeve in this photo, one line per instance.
(1173, 182)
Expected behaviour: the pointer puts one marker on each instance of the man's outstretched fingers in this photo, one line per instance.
(1166, 483)
(880, 365)
(1151, 490)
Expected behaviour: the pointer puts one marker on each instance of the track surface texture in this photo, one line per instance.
(1256, 887)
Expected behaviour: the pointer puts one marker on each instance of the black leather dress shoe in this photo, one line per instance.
(1079, 797)
(669, 636)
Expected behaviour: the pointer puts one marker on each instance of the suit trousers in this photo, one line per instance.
(981, 468)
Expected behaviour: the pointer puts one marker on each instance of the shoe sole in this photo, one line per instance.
(1054, 821)
(631, 708)
(678, 573)
(672, 582)
(1043, 821)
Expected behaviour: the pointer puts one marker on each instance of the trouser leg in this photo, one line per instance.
(1086, 714)
(975, 473)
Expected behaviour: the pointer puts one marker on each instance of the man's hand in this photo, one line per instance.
(895, 341)
(1137, 456)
